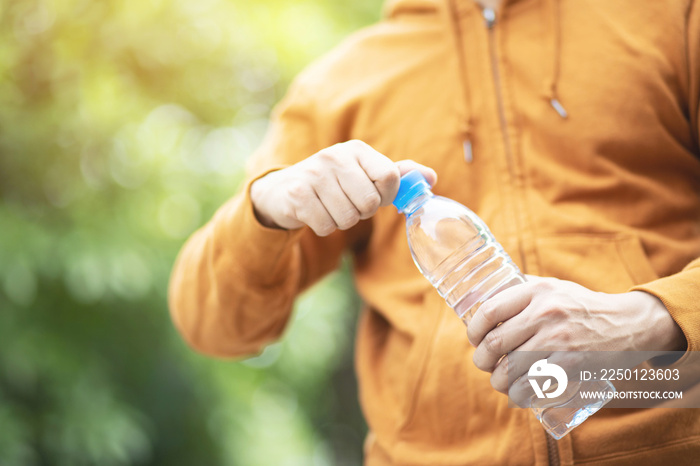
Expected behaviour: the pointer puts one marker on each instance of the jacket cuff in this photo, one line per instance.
(260, 250)
(680, 293)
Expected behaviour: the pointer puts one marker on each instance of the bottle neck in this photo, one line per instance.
(416, 202)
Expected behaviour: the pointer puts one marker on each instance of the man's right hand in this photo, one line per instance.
(333, 189)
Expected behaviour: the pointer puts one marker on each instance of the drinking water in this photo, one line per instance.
(454, 249)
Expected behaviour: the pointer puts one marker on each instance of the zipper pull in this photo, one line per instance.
(468, 154)
(489, 17)
(558, 107)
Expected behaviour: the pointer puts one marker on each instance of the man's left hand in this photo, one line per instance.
(547, 314)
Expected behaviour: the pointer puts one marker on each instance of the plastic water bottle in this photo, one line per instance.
(454, 249)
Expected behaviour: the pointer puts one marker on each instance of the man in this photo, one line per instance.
(570, 127)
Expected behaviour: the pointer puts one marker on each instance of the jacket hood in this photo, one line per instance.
(395, 7)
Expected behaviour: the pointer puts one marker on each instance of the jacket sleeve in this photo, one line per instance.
(234, 282)
(681, 292)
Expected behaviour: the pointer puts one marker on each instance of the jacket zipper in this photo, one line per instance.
(490, 18)
(552, 451)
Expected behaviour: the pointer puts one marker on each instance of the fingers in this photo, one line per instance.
(406, 166)
(386, 174)
(499, 308)
(317, 218)
(361, 191)
(381, 170)
(333, 189)
(302, 206)
(338, 203)
(515, 365)
(501, 340)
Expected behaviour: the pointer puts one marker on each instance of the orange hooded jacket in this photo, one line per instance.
(569, 126)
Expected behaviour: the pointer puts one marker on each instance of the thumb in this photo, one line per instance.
(406, 166)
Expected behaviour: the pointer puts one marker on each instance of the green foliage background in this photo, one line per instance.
(123, 125)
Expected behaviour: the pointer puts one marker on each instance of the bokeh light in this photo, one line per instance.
(124, 124)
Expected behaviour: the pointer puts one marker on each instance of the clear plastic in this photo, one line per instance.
(457, 253)
(454, 249)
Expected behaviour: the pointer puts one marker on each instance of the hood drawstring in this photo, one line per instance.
(550, 91)
(466, 118)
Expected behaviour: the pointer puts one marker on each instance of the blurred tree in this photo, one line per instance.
(123, 125)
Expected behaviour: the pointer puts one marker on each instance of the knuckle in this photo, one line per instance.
(471, 334)
(297, 190)
(499, 382)
(493, 342)
(390, 177)
(324, 229)
(356, 144)
(326, 154)
(322, 160)
(348, 220)
(480, 361)
(316, 171)
(543, 286)
(488, 313)
(370, 203)
(476, 358)
(288, 210)
(305, 216)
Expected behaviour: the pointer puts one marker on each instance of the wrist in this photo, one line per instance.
(664, 334)
(256, 198)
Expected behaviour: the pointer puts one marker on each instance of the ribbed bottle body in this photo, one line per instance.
(457, 253)
(473, 274)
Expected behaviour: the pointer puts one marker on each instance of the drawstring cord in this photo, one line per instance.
(466, 120)
(550, 92)
(551, 85)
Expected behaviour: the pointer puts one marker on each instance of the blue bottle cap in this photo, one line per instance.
(413, 184)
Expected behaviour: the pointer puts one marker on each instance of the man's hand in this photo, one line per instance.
(333, 189)
(546, 314)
